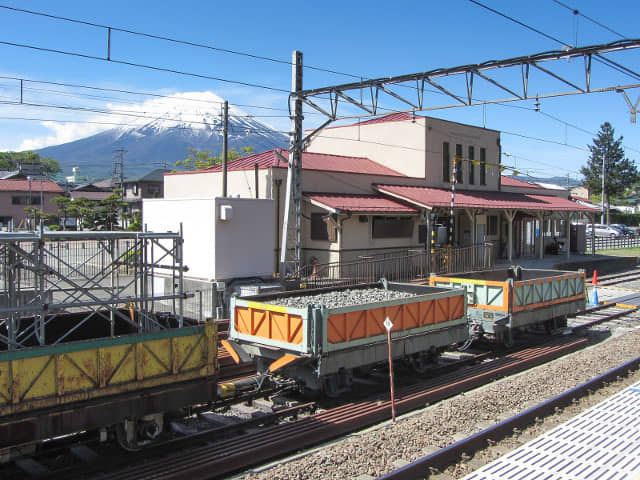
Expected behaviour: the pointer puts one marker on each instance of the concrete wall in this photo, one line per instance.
(209, 184)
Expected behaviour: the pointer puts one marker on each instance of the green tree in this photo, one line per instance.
(198, 160)
(84, 211)
(64, 209)
(135, 221)
(12, 160)
(620, 172)
(109, 211)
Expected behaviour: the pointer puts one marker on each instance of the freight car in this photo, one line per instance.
(307, 336)
(503, 301)
(124, 383)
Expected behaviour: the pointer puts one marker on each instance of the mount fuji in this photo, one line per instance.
(159, 132)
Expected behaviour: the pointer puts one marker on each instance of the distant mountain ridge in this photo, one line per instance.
(165, 138)
(560, 181)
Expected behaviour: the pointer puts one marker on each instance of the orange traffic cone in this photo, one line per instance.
(594, 294)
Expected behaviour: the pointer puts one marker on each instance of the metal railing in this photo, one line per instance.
(413, 265)
(104, 279)
(610, 243)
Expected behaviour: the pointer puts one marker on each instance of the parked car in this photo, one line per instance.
(604, 231)
(623, 228)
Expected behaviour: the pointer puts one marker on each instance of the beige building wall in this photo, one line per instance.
(415, 148)
(440, 131)
(396, 145)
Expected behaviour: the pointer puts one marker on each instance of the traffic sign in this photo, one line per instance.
(387, 324)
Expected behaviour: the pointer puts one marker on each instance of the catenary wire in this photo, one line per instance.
(148, 67)
(132, 92)
(575, 11)
(610, 63)
(182, 42)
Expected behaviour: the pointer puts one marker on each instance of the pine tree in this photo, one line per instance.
(620, 172)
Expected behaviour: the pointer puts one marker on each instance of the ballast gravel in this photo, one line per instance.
(377, 451)
(343, 298)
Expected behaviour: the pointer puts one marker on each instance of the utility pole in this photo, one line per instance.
(225, 135)
(294, 173)
(117, 173)
(604, 174)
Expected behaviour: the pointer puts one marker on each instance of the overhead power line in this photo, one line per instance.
(148, 67)
(575, 11)
(134, 92)
(177, 41)
(606, 61)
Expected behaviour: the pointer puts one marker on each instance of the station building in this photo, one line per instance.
(379, 186)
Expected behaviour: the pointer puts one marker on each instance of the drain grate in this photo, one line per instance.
(602, 443)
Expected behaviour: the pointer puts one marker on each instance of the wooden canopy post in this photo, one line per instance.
(511, 215)
(540, 217)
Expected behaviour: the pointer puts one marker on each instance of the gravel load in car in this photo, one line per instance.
(342, 298)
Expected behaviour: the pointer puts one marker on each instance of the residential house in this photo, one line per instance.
(147, 185)
(15, 195)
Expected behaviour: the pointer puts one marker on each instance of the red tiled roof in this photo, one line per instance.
(359, 203)
(310, 161)
(89, 195)
(514, 182)
(48, 186)
(579, 199)
(438, 197)
(392, 117)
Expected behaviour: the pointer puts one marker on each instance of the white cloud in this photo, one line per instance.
(169, 110)
(62, 133)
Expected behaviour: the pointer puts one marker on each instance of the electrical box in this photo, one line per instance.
(226, 213)
(224, 238)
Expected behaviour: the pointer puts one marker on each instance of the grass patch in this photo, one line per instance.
(621, 252)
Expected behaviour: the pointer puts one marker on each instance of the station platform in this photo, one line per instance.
(604, 264)
(601, 443)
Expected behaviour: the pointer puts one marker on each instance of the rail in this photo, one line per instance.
(612, 243)
(411, 265)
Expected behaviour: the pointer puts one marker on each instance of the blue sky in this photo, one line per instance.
(366, 38)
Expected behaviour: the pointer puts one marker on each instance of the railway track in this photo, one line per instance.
(262, 443)
(200, 458)
(606, 317)
(469, 446)
(618, 278)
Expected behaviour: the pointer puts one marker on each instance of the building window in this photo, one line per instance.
(483, 166)
(24, 199)
(392, 227)
(445, 162)
(323, 228)
(492, 225)
(153, 190)
(459, 163)
(134, 189)
(472, 167)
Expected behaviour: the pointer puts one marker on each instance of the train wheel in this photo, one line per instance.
(422, 362)
(133, 434)
(336, 384)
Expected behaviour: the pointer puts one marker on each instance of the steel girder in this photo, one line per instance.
(328, 100)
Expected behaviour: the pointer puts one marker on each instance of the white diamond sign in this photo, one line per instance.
(387, 324)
